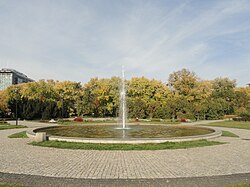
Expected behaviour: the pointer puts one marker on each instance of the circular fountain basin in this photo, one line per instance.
(134, 135)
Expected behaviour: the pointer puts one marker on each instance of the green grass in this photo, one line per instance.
(148, 146)
(10, 185)
(115, 122)
(86, 122)
(4, 126)
(229, 134)
(239, 185)
(19, 135)
(158, 122)
(231, 124)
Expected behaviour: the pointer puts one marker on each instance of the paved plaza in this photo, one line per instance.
(228, 160)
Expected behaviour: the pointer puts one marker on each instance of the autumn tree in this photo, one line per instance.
(183, 81)
(68, 95)
(184, 96)
(241, 102)
(223, 89)
(101, 97)
(202, 95)
(183, 85)
(146, 98)
(3, 104)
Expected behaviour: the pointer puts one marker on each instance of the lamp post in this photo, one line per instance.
(16, 90)
(62, 94)
(16, 114)
(62, 108)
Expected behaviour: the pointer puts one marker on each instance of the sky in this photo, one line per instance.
(81, 39)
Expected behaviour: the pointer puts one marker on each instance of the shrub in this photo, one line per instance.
(136, 119)
(245, 115)
(183, 120)
(78, 120)
(43, 121)
(241, 119)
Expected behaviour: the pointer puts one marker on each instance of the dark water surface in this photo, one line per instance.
(135, 131)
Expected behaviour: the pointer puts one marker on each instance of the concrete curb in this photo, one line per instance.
(215, 134)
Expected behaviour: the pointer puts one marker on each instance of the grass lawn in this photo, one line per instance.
(159, 122)
(239, 185)
(4, 126)
(19, 135)
(115, 122)
(86, 122)
(231, 124)
(10, 185)
(148, 146)
(229, 134)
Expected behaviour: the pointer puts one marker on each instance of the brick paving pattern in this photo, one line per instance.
(17, 157)
(41, 181)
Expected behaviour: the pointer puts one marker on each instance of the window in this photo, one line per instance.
(5, 80)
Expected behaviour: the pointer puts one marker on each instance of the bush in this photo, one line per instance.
(44, 121)
(245, 115)
(183, 120)
(60, 121)
(241, 119)
(78, 120)
(136, 119)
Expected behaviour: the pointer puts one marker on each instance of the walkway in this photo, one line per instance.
(17, 157)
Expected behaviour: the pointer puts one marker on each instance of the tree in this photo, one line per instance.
(3, 104)
(183, 81)
(31, 109)
(68, 94)
(185, 96)
(136, 107)
(152, 95)
(224, 88)
(40, 90)
(50, 110)
(184, 87)
(216, 108)
(101, 97)
(202, 94)
(14, 101)
(241, 102)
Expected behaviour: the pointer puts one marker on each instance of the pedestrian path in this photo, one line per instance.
(17, 157)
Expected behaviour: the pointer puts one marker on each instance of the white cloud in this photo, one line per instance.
(78, 40)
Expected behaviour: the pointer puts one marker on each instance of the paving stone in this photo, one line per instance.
(17, 157)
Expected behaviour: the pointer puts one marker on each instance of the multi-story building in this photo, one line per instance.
(9, 77)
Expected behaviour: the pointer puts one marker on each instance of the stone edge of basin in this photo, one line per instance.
(217, 133)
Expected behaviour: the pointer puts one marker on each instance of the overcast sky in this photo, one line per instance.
(80, 39)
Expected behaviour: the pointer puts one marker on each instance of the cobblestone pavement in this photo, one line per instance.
(41, 181)
(17, 157)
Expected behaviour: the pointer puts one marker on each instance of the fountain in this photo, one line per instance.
(137, 134)
(122, 110)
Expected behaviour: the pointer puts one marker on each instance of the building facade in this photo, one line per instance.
(9, 77)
